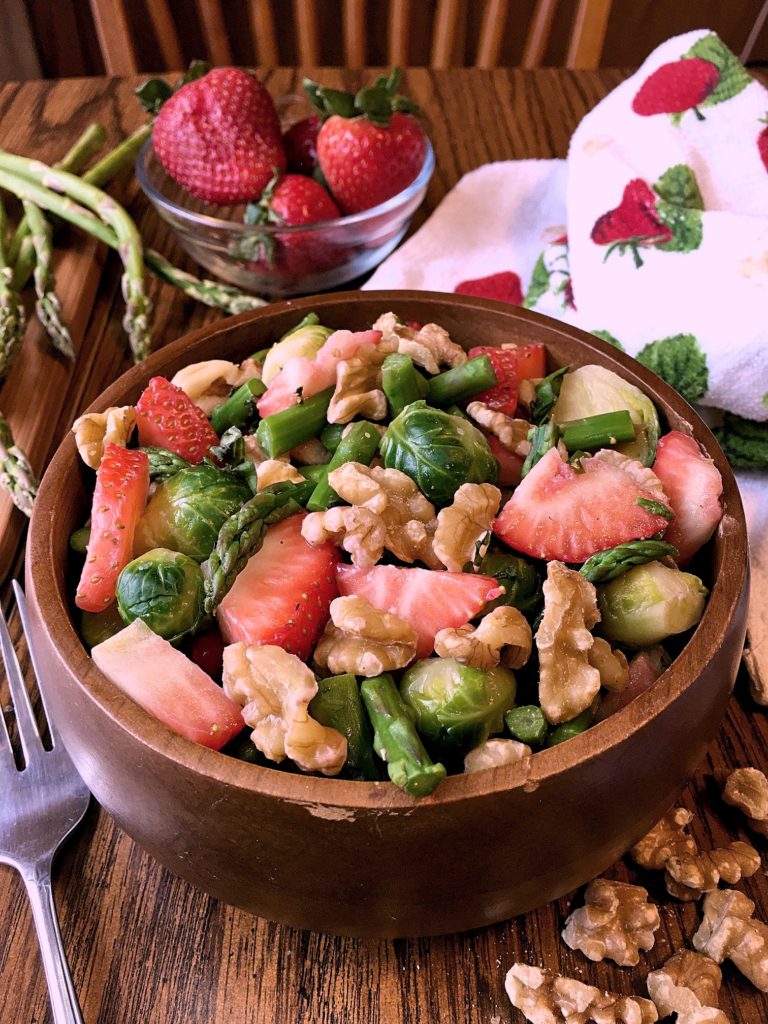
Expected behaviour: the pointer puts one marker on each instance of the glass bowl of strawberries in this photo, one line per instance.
(290, 212)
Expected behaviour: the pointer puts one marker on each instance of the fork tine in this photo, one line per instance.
(25, 719)
(21, 604)
(6, 750)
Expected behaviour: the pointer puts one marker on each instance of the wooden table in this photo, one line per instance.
(144, 946)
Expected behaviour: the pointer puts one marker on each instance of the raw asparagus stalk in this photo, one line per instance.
(547, 393)
(15, 471)
(542, 438)
(239, 408)
(400, 382)
(462, 382)
(337, 704)
(607, 565)
(12, 316)
(527, 724)
(359, 445)
(242, 535)
(47, 307)
(284, 430)
(315, 473)
(210, 293)
(605, 428)
(163, 464)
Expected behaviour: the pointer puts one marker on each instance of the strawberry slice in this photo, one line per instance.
(430, 600)
(693, 486)
(531, 362)
(503, 395)
(119, 497)
(168, 418)
(559, 513)
(304, 377)
(510, 464)
(283, 594)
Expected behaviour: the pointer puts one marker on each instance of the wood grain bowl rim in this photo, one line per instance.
(48, 582)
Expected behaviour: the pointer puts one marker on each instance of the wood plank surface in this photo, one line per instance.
(146, 947)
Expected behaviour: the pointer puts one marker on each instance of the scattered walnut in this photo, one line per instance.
(512, 433)
(275, 471)
(567, 682)
(464, 523)
(409, 519)
(494, 753)
(93, 430)
(747, 789)
(274, 689)
(690, 875)
(546, 998)
(729, 932)
(208, 383)
(358, 530)
(430, 346)
(501, 636)
(668, 838)
(611, 664)
(363, 640)
(688, 985)
(358, 387)
(616, 922)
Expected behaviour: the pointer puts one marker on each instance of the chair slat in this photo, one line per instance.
(492, 33)
(539, 30)
(167, 36)
(445, 32)
(354, 33)
(305, 16)
(588, 34)
(114, 34)
(264, 34)
(214, 31)
(399, 23)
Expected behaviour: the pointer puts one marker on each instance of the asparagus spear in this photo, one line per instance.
(462, 382)
(284, 430)
(210, 293)
(15, 471)
(359, 445)
(547, 393)
(12, 316)
(605, 428)
(542, 438)
(47, 307)
(401, 382)
(163, 464)
(527, 724)
(239, 408)
(243, 533)
(607, 565)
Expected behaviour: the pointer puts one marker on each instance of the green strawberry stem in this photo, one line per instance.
(377, 101)
(462, 382)
(12, 316)
(16, 474)
(607, 565)
(47, 307)
(360, 444)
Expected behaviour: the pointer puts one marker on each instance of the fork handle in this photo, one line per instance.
(66, 1009)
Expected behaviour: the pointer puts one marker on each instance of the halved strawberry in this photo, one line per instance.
(304, 377)
(168, 418)
(283, 594)
(559, 513)
(503, 395)
(119, 497)
(693, 486)
(430, 600)
(531, 361)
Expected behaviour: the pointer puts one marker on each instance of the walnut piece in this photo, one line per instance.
(747, 789)
(274, 689)
(616, 922)
(409, 519)
(363, 640)
(276, 471)
(513, 433)
(358, 530)
(430, 346)
(689, 875)
(611, 664)
(502, 635)
(567, 682)
(93, 430)
(464, 523)
(494, 753)
(358, 387)
(729, 932)
(208, 383)
(687, 984)
(546, 998)
(668, 838)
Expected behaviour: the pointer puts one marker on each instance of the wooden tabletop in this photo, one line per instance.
(144, 946)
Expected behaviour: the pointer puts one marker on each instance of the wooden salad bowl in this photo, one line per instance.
(362, 858)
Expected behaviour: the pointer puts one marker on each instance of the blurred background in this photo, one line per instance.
(62, 38)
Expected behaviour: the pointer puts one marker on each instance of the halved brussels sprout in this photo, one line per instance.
(306, 339)
(590, 390)
(457, 707)
(187, 511)
(649, 603)
(164, 589)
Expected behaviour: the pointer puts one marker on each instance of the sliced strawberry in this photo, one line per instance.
(531, 362)
(693, 486)
(510, 464)
(119, 497)
(207, 651)
(304, 377)
(503, 287)
(430, 600)
(283, 594)
(559, 513)
(503, 395)
(168, 418)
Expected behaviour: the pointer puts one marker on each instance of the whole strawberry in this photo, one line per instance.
(370, 146)
(219, 137)
(677, 87)
(633, 223)
(300, 143)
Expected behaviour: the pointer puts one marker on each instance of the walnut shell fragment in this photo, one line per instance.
(463, 524)
(616, 922)
(363, 640)
(94, 430)
(503, 635)
(669, 837)
(687, 984)
(430, 346)
(728, 931)
(546, 998)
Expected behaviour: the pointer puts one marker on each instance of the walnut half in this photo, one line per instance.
(687, 984)
(547, 998)
(363, 640)
(747, 789)
(93, 430)
(728, 931)
(501, 636)
(669, 837)
(616, 922)
(464, 523)
(689, 875)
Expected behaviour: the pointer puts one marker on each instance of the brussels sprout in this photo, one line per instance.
(438, 451)
(649, 603)
(306, 339)
(521, 580)
(187, 511)
(96, 627)
(591, 389)
(165, 590)
(456, 707)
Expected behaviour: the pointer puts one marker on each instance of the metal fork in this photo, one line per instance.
(39, 806)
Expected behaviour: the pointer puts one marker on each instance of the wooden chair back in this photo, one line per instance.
(267, 21)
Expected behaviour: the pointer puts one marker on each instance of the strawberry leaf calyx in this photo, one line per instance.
(377, 101)
(153, 93)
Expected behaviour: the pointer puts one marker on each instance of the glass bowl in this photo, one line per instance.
(280, 261)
